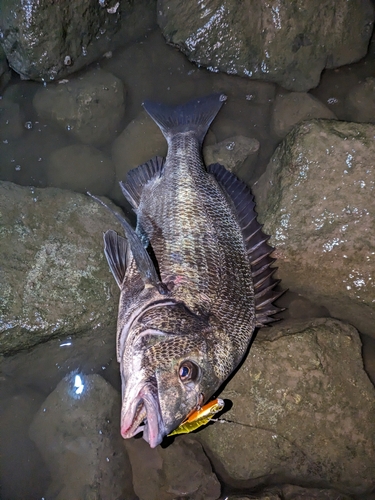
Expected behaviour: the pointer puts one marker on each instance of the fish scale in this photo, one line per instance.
(204, 233)
(194, 276)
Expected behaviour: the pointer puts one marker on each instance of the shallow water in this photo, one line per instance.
(149, 69)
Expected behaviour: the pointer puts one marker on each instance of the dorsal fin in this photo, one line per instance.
(255, 240)
(138, 177)
(116, 251)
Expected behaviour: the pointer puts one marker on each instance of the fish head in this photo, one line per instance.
(165, 376)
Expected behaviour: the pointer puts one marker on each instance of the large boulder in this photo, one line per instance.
(360, 102)
(276, 41)
(303, 412)
(238, 154)
(181, 470)
(294, 107)
(46, 40)
(90, 107)
(76, 431)
(316, 199)
(54, 279)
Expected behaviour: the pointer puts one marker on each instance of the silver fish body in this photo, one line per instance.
(195, 276)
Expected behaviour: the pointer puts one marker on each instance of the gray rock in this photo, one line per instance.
(280, 43)
(302, 412)
(237, 154)
(22, 469)
(47, 41)
(293, 492)
(4, 70)
(316, 199)
(11, 121)
(260, 496)
(138, 142)
(360, 102)
(290, 109)
(90, 107)
(77, 432)
(299, 307)
(181, 470)
(81, 168)
(54, 279)
(24, 160)
(188, 472)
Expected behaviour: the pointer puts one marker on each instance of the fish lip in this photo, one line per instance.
(154, 430)
(144, 405)
(131, 422)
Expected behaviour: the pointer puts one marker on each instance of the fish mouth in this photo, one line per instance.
(144, 415)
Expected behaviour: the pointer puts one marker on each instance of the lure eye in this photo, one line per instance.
(188, 371)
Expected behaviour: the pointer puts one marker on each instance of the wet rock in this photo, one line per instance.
(24, 160)
(81, 168)
(290, 109)
(48, 41)
(316, 199)
(139, 141)
(89, 107)
(152, 69)
(294, 492)
(360, 102)
(260, 496)
(22, 472)
(280, 43)
(54, 279)
(247, 115)
(11, 121)
(334, 87)
(238, 154)
(4, 70)
(301, 307)
(182, 470)
(304, 406)
(77, 432)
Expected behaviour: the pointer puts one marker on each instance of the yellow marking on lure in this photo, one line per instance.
(200, 417)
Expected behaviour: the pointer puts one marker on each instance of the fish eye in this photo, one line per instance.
(188, 371)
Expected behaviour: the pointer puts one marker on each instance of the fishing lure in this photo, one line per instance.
(199, 417)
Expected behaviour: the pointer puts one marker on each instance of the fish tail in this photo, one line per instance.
(194, 116)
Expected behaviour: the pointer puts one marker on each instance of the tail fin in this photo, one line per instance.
(196, 115)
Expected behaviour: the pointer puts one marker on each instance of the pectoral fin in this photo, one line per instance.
(116, 250)
(144, 263)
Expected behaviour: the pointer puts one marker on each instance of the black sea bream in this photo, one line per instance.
(195, 276)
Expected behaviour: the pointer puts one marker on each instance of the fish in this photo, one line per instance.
(195, 276)
(199, 417)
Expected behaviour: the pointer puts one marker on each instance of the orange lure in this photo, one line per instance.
(200, 417)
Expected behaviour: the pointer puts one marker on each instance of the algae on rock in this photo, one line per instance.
(54, 279)
(316, 199)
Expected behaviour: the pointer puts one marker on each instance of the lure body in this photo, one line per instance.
(198, 418)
